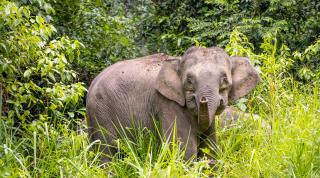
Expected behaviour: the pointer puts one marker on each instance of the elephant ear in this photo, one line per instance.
(244, 77)
(168, 82)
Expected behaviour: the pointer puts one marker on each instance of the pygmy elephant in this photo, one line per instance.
(188, 91)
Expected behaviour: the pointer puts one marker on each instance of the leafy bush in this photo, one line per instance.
(308, 59)
(277, 59)
(176, 25)
(40, 88)
(36, 76)
(102, 27)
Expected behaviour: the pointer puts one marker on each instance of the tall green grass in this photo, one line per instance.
(151, 155)
(45, 151)
(290, 149)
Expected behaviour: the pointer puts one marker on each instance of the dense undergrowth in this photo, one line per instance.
(42, 133)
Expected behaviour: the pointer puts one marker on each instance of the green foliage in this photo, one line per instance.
(310, 70)
(47, 151)
(277, 58)
(180, 24)
(36, 76)
(143, 153)
(289, 149)
(102, 27)
(105, 28)
(166, 28)
(294, 21)
(290, 146)
(41, 89)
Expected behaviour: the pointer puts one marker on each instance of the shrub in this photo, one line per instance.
(36, 76)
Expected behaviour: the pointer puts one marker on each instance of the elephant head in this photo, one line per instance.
(205, 80)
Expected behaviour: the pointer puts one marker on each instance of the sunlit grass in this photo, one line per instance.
(291, 148)
(147, 155)
(45, 151)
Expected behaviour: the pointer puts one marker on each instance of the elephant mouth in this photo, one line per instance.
(220, 109)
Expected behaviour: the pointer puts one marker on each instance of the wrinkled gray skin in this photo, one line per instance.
(169, 88)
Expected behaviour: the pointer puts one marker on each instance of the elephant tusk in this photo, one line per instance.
(203, 115)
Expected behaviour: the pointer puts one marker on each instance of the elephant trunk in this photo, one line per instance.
(203, 115)
(204, 120)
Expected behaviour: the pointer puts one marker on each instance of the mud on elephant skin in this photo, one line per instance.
(189, 90)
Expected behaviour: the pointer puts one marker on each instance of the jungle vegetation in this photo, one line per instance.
(51, 50)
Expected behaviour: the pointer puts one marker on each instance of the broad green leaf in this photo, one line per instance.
(71, 114)
(51, 76)
(39, 20)
(27, 73)
(26, 12)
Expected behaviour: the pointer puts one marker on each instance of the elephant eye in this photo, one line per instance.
(189, 83)
(224, 83)
(224, 80)
(189, 80)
